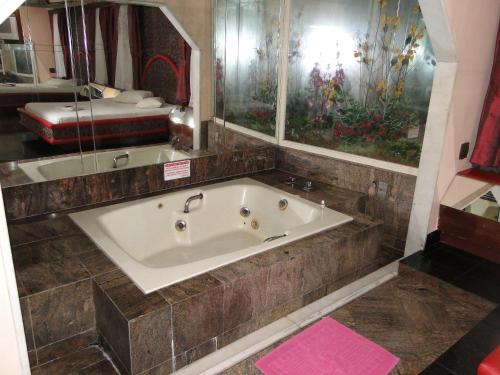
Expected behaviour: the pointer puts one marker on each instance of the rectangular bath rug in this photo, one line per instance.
(328, 348)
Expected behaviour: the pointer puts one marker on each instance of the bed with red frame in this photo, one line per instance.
(71, 132)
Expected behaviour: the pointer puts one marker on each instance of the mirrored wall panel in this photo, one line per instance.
(96, 87)
(247, 39)
(37, 67)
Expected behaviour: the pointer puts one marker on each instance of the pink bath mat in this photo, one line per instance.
(328, 348)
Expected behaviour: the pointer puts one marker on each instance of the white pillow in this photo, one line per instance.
(150, 103)
(132, 96)
(109, 93)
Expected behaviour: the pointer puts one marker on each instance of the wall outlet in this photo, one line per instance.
(464, 151)
(382, 188)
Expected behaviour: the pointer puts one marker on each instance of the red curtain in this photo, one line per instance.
(487, 150)
(134, 35)
(108, 19)
(183, 82)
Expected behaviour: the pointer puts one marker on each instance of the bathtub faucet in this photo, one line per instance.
(189, 200)
(118, 157)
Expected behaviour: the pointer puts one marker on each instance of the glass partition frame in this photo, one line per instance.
(280, 135)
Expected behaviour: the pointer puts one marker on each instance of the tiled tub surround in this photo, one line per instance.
(60, 270)
(35, 199)
(143, 239)
(392, 206)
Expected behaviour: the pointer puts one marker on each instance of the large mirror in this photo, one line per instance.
(35, 68)
(94, 87)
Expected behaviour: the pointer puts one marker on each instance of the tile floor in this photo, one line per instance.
(415, 318)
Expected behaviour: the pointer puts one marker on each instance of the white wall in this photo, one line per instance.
(474, 25)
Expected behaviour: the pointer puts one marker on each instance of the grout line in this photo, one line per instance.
(32, 331)
(110, 299)
(101, 335)
(64, 339)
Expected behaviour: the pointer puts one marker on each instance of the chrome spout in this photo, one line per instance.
(118, 157)
(189, 200)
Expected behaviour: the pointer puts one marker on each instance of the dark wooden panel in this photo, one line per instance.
(471, 233)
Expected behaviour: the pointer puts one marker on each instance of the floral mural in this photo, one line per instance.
(359, 73)
(378, 106)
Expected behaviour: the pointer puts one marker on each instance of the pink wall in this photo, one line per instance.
(36, 22)
(474, 26)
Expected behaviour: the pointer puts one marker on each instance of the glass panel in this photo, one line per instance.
(360, 77)
(247, 57)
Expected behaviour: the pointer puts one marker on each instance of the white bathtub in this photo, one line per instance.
(140, 237)
(70, 166)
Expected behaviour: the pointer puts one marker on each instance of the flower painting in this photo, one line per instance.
(359, 73)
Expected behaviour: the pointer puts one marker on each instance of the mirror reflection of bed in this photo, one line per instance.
(121, 79)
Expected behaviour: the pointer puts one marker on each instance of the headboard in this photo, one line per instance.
(161, 91)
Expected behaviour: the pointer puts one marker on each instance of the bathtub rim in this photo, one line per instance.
(146, 278)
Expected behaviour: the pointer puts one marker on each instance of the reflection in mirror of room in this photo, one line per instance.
(129, 60)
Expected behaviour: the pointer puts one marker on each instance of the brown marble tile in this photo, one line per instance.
(189, 288)
(28, 329)
(99, 368)
(394, 209)
(96, 262)
(166, 368)
(262, 319)
(75, 363)
(237, 270)
(285, 281)
(144, 180)
(340, 283)
(130, 301)
(197, 353)
(62, 312)
(197, 319)
(70, 245)
(32, 358)
(320, 261)
(150, 340)
(245, 298)
(43, 266)
(21, 289)
(40, 230)
(103, 187)
(67, 346)
(112, 327)
(314, 295)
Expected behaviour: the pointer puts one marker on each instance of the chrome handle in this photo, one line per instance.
(118, 157)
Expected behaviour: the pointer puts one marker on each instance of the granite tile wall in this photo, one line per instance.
(31, 200)
(394, 208)
(54, 287)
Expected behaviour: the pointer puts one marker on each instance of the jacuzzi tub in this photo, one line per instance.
(71, 166)
(141, 237)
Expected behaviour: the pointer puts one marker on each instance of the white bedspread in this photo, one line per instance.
(102, 109)
(40, 88)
